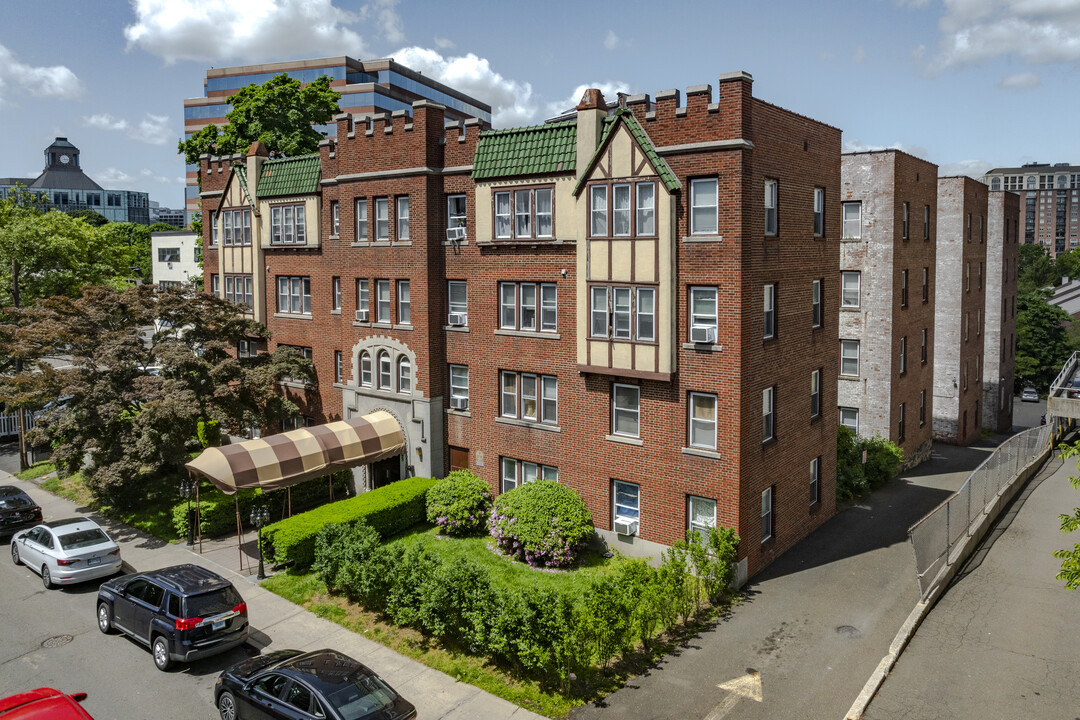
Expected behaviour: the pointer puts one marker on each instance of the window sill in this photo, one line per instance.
(335, 312)
(456, 328)
(850, 239)
(528, 241)
(543, 335)
(404, 327)
(703, 347)
(381, 243)
(849, 378)
(625, 440)
(363, 243)
(402, 243)
(333, 236)
(293, 316)
(845, 308)
(360, 324)
(528, 424)
(382, 325)
(701, 453)
(703, 239)
(459, 413)
(449, 243)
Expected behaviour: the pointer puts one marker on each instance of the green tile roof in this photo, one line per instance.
(240, 169)
(610, 123)
(533, 150)
(297, 175)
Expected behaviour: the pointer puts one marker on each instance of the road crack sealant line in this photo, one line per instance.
(947, 574)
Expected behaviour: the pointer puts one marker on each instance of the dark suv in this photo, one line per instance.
(17, 511)
(182, 613)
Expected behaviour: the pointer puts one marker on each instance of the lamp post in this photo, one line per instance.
(259, 516)
(187, 489)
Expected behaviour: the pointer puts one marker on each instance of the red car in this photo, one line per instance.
(43, 704)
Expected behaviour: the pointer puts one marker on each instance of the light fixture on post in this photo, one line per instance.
(259, 516)
(187, 489)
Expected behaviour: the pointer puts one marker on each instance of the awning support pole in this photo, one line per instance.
(198, 512)
(239, 531)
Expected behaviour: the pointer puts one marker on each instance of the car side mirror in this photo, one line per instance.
(78, 697)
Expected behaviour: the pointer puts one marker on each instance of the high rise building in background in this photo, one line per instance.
(1049, 202)
(367, 87)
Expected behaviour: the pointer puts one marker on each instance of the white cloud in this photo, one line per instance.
(857, 145)
(610, 89)
(389, 22)
(511, 101)
(1020, 81)
(114, 179)
(252, 31)
(611, 40)
(52, 81)
(971, 168)
(151, 175)
(860, 55)
(152, 129)
(444, 43)
(1038, 32)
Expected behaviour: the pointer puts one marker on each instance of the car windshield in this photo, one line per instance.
(212, 603)
(83, 538)
(364, 695)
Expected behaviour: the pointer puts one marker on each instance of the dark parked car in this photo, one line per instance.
(182, 613)
(44, 704)
(294, 684)
(17, 511)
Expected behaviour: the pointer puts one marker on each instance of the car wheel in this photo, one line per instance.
(15, 554)
(46, 577)
(161, 653)
(226, 706)
(104, 622)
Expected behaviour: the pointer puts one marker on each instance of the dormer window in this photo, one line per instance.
(524, 213)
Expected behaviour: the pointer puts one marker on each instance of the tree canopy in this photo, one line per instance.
(1042, 339)
(281, 113)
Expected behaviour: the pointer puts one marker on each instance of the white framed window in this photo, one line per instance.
(362, 298)
(402, 218)
(767, 514)
(226, 223)
(459, 383)
(544, 213)
(455, 211)
(850, 281)
(620, 210)
(703, 307)
(771, 213)
(361, 220)
(528, 408)
(620, 313)
(382, 219)
(335, 293)
(458, 291)
(815, 393)
(700, 514)
(529, 397)
(508, 395)
(849, 358)
(508, 305)
(337, 366)
(815, 481)
(513, 473)
(548, 307)
(382, 290)
(626, 410)
(214, 228)
(215, 284)
(852, 220)
(335, 218)
(598, 312)
(646, 209)
(385, 374)
(819, 212)
(598, 210)
(849, 418)
(646, 314)
(522, 214)
(365, 369)
(701, 430)
(525, 213)
(626, 499)
(703, 206)
(503, 221)
(508, 474)
(769, 310)
(817, 317)
(768, 414)
(294, 295)
(404, 304)
(247, 348)
(549, 399)
(527, 310)
(287, 225)
(404, 375)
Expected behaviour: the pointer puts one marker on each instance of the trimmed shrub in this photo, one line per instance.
(389, 510)
(542, 522)
(459, 503)
(339, 550)
(209, 433)
(850, 478)
(883, 459)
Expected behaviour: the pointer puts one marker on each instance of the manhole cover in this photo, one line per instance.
(58, 641)
(848, 631)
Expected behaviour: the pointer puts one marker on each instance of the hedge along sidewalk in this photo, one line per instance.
(278, 624)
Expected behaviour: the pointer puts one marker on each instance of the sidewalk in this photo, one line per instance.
(277, 623)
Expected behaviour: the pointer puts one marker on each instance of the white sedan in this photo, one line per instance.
(66, 551)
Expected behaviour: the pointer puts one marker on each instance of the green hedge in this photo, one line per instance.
(218, 510)
(390, 509)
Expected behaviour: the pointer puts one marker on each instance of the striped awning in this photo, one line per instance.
(285, 459)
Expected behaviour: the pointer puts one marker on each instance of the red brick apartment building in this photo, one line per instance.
(640, 302)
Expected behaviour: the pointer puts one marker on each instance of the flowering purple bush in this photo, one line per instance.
(459, 503)
(542, 523)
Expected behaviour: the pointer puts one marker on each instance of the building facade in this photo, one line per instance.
(64, 186)
(607, 301)
(175, 256)
(367, 87)
(960, 309)
(999, 338)
(888, 208)
(1049, 200)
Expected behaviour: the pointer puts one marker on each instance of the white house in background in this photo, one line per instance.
(175, 257)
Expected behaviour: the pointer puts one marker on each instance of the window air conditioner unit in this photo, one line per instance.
(626, 526)
(361, 316)
(455, 234)
(703, 334)
(457, 319)
(459, 403)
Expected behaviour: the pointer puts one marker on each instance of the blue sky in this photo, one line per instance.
(953, 81)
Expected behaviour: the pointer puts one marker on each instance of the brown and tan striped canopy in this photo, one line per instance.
(285, 459)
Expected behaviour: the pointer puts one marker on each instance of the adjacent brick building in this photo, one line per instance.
(887, 282)
(639, 302)
(999, 339)
(961, 309)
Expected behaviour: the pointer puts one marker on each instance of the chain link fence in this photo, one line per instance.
(934, 537)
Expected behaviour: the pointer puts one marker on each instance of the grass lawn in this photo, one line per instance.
(36, 470)
(154, 514)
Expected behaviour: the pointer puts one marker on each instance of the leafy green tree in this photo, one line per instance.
(136, 238)
(195, 226)
(162, 227)
(281, 113)
(1070, 522)
(1042, 341)
(1035, 269)
(90, 217)
(1068, 264)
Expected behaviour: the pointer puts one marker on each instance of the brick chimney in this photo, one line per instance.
(256, 156)
(591, 112)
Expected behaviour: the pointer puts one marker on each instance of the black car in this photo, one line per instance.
(292, 684)
(182, 613)
(17, 511)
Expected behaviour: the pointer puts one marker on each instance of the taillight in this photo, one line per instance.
(64, 562)
(113, 552)
(241, 608)
(187, 623)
